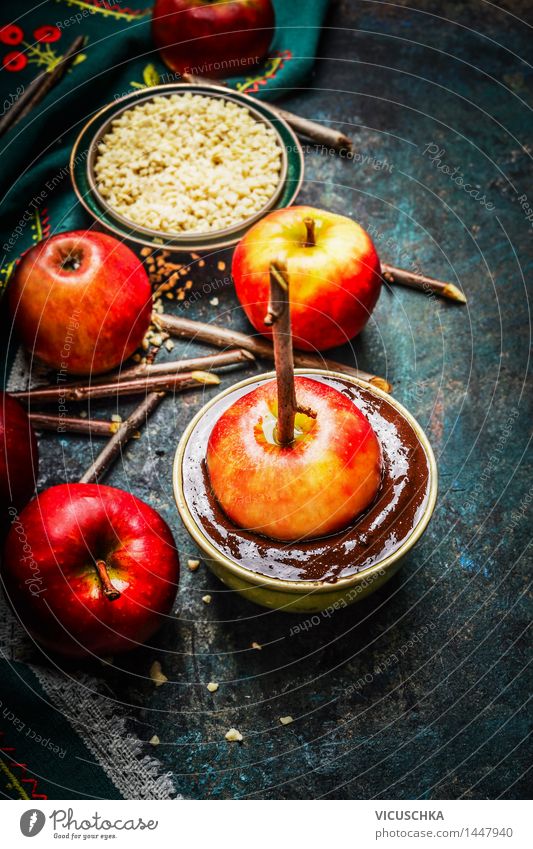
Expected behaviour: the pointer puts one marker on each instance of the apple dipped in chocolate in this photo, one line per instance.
(293, 459)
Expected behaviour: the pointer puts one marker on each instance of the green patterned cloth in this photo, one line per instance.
(56, 728)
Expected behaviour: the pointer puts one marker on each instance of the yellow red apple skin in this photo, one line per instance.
(334, 286)
(313, 487)
(85, 320)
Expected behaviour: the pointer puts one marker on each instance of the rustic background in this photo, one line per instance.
(420, 691)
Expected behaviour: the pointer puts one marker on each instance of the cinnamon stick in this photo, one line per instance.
(126, 431)
(71, 424)
(302, 126)
(223, 337)
(422, 283)
(117, 388)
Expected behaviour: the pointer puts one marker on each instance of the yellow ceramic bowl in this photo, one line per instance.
(302, 596)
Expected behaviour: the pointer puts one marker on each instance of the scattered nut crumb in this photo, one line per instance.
(214, 302)
(221, 266)
(256, 646)
(169, 344)
(205, 377)
(157, 675)
(83, 414)
(193, 565)
(206, 599)
(233, 736)
(155, 741)
(286, 720)
(116, 418)
(212, 687)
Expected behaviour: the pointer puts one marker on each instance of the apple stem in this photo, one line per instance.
(310, 240)
(108, 589)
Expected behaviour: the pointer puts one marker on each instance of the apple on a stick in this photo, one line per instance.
(295, 458)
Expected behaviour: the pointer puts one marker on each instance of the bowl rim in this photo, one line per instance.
(282, 584)
(187, 235)
(198, 241)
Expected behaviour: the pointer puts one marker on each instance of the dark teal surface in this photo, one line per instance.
(420, 691)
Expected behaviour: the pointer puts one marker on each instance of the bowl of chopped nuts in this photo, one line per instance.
(185, 166)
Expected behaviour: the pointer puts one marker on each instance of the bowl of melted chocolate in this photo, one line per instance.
(330, 571)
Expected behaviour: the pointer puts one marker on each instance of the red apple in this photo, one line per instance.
(212, 38)
(333, 267)
(19, 460)
(81, 302)
(90, 569)
(314, 486)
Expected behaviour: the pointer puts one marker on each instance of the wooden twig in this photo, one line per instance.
(302, 126)
(39, 87)
(107, 383)
(211, 362)
(117, 388)
(223, 337)
(126, 431)
(71, 424)
(422, 283)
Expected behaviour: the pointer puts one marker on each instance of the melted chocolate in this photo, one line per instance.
(375, 534)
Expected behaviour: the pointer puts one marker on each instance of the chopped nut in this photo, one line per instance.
(169, 344)
(206, 377)
(116, 418)
(233, 736)
(286, 720)
(193, 565)
(214, 302)
(83, 414)
(256, 646)
(114, 427)
(155, 741)
(212, 687)
(157, 675)
(206, 599)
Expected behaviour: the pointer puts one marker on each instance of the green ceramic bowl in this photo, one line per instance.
(83, 155)
(301, 596)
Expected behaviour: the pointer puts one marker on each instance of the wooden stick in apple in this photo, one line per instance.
(279, 318)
